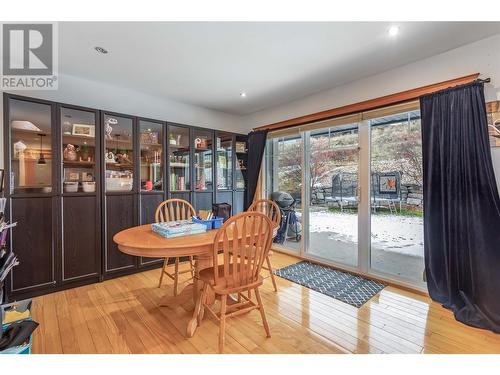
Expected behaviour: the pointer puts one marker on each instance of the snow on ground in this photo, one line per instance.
(399, 234)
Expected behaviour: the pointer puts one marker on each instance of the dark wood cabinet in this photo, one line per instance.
(80, 175)
(33, 242)
(120, 214)
(238, 202)
(203, 201)
(149, 202)
(186, 195)
(81, 243)
(231, 150)
(79, 234)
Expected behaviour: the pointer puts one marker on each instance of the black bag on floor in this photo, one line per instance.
(221, 210)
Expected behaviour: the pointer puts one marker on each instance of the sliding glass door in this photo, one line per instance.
(397, 236)
(284, 158)
(332, 215)
(357, 193)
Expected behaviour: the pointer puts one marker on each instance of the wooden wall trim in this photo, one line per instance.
(370, 104)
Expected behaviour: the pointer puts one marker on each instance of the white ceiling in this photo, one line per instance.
(209, 64)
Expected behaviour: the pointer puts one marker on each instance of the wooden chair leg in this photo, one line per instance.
(262, 312)
(176, 275)
(165, 263)
(222, 323)
(270, 268)
(199, 304)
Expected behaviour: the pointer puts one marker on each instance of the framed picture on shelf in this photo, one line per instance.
(71, 176)
(149, 138)
(83, 130)
(87, 176)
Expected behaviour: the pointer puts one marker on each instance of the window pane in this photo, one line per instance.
(78, 150)
(151, 136)
(178, 155)
(31, 146)
(118, 154)
(240, 169)
(397, 243)
(224, 161)
(284, 186)
(203, 160)
(334, 194)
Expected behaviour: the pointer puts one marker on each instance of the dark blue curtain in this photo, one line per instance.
(461, 206)
(256, 147)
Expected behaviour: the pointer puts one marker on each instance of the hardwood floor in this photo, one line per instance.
(123, 316)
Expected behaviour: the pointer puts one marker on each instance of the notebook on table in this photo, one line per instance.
(178, 228)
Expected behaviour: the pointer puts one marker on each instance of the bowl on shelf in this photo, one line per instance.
(70, 186)
(119, 184)
(88, 186)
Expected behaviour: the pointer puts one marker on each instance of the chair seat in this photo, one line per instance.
(227, 284)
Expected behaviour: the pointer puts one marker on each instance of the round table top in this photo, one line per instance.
(142, 241)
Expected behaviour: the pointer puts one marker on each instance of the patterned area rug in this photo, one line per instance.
(343, 286)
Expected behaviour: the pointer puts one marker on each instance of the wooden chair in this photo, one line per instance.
(170, 210)
(273, 212)
(240, 248)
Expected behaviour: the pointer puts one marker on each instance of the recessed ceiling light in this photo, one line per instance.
(243, 94)
(101, 50)
(393, 30)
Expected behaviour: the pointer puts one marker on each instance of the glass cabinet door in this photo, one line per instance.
(241, 149)
(202, 145)
(31, 147)
(118, 153)
(150, 139)
(178, 157)
(224, 152)
(78, 151)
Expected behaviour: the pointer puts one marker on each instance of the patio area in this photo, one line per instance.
(396, 240)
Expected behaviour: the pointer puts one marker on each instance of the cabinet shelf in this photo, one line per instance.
(154, 145)
(118, 166)
(179, 165)
(82, 164)
(178, 147)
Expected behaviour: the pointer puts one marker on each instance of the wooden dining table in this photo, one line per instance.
(142, 241)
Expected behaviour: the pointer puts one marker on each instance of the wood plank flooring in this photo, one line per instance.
(123, 316)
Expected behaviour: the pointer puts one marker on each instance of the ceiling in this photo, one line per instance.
(209, 64)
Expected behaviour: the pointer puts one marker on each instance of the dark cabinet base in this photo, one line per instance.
(149, 203)
(33, 243)
(81, 255)
(119, 215)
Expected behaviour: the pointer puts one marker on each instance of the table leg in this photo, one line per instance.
(201, 262)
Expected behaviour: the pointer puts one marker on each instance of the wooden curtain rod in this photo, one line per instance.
(371, 104)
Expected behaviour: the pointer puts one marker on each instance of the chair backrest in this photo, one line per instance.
(241, 245)
(174, 209)
(268, 208)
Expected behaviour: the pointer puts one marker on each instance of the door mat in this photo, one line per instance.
(344, 286)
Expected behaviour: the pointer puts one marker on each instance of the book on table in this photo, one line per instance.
(178, 228)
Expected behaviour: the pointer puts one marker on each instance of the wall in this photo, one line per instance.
(83, 92)
(479, 57)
